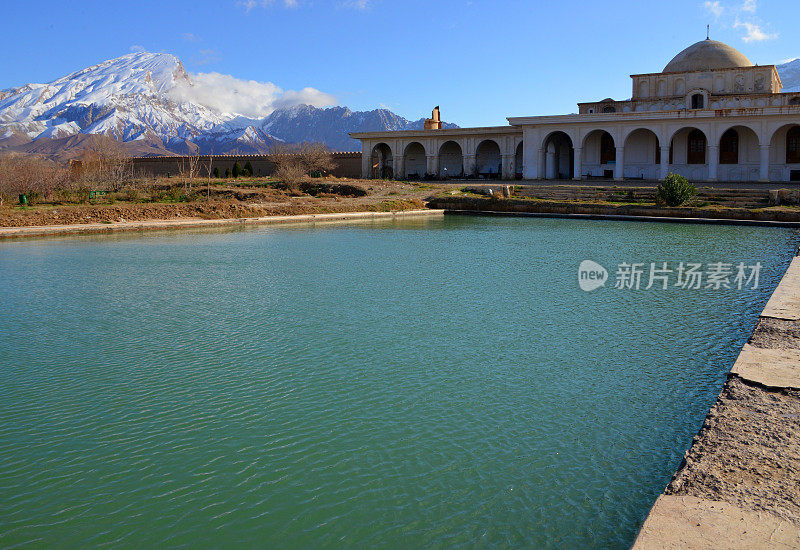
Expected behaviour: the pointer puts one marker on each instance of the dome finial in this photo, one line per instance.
(708, 32)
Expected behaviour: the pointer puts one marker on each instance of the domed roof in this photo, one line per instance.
(707, 55)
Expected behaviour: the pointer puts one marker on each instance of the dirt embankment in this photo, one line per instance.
(229, 201)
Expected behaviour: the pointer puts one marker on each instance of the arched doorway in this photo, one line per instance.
(488, 162)
(688, 155)
(785, 154)
(642, 154)
(793, 145)
(739, 155)
(599, 154)
(559, 158)
(519, 168)
(415, 161)
(696, 147)
(451, 160)
(382, 162)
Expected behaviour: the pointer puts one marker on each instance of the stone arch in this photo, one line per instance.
(488, 159)
(738, 153)
(519, 161)
(559, 156)
(382, 162)
(747, 127)
(680, 145)
(451, 160)
(642, 153)
(785, 152)
(415, 160)
(628, 132)
(598, 153)
(779, 143)
(644, 89)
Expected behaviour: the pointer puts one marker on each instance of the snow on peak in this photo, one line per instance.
(790, 75)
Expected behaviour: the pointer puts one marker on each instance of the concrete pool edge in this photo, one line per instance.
(154, 225)
(770, 364)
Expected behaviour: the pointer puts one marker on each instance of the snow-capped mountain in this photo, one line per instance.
(790, 75)
(141, 97)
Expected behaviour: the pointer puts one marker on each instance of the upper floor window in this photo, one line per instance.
(794, 101)
(609, 109)
(698, 101)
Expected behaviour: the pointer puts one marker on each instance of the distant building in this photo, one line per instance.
(710, 115)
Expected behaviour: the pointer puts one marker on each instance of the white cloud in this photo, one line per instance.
(189, 36)
(749, 5)
(754, 33)
(250, 4)
(206, 57)
(714, 7)
(356, 4)
(136, 48)
(228, 94)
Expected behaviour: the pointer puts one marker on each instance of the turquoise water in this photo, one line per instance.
(436, 383)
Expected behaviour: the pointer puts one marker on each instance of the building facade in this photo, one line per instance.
(710, 115)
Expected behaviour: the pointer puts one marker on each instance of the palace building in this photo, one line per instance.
(710, 115)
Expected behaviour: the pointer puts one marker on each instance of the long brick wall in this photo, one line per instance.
(347, 165)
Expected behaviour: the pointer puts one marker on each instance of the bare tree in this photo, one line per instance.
(294, 161)
(105, 163)
(32, 176)
(208, 173)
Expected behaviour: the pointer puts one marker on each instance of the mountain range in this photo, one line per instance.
(145, 100)
(149, 102)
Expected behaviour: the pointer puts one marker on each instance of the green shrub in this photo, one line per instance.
(216, 172)
(674, 190)
(237, 170)
(248, 169)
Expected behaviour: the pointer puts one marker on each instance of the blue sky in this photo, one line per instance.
(480, 60)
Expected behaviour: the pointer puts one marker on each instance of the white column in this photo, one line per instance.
(399, 173)
(764, 166)
(551, 170)
(530, 162)
(433, 165)
(541, 162)
(713, 162)
(507, 163)
(366, 162)
(664, 162)
(578, 164)
(469, 165)
(619, 166)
